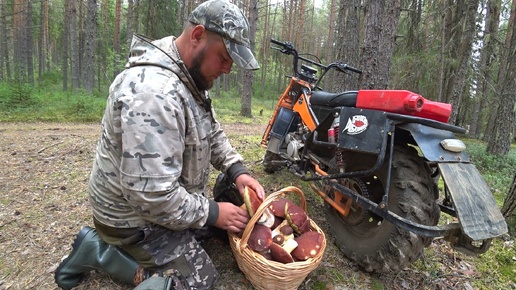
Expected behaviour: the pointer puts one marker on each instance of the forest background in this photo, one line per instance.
(58, 57)
(455, 51)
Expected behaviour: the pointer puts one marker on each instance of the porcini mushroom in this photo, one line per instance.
(260, 238)
(277, 207)
(282, 253)
(308, 245)
(252, 202)
(297, 218)
(282, 233)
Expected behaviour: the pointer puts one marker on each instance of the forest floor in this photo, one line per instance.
(43, 176)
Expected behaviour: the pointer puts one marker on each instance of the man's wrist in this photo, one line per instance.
(236, 170)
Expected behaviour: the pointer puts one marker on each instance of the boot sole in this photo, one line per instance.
(75, 246)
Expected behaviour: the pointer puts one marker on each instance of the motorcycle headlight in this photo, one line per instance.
(453, 145)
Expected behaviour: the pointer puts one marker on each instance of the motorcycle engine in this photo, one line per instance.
(293, 146)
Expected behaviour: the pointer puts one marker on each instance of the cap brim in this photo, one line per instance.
(241, 55)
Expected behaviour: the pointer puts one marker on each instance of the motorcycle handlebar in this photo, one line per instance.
(344, 67)
(288, 48)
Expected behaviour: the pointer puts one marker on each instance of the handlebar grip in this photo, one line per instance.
(354, 70)
(277, 42)
(344, 67)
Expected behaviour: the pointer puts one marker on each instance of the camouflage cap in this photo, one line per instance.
(227, 20)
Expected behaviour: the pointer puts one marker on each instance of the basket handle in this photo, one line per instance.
(267, 201)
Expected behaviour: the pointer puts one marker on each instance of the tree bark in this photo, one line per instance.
(74, 48)
(464, 59)
(370, 47)
(509, 208)
(66, 36)
(4, 50)
(116, 36)
(19, 40)
(29, 44)
(390, 18)
(500, 141)
(247, 90)
(88, 71)
(485, 76)
(129, 28)
(43, 39)
(348, 42)
(379, 39)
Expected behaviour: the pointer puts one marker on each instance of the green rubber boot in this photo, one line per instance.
(89, 252)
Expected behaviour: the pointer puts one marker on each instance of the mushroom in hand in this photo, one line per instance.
(252, 202)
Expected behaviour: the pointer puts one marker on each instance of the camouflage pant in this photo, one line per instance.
(157, 249)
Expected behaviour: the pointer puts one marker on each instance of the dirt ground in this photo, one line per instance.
(43, 176)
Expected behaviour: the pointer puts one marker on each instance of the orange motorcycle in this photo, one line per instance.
(376, 158)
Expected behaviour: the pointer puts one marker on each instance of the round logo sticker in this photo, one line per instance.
(356, 125)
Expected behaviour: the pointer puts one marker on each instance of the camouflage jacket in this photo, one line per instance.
(159, 136)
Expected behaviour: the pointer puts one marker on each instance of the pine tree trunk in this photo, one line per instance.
(74, 47)
(4, 51)
(247, 90)
(370, 46)
(461, 73)
(485, 76)
(500, 140)
(509, 208)
(66, 28)
(29, 43)
(348, 42)
(88, 72)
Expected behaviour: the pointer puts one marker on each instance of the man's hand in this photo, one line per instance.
(244, 180)
(231, 217)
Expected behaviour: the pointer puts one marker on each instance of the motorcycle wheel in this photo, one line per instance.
(268, 162)
(378, 245)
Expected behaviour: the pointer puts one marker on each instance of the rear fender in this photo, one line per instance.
(429, 139)
(475, 206)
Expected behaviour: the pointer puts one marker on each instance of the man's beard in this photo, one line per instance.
(195, 72)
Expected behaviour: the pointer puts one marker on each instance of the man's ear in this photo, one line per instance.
(198, 33)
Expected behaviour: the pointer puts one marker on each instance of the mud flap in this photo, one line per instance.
(476, 208)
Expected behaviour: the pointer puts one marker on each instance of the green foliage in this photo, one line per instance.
(497, 170)
(227, 108)
(26, 103)
(497, 266)
(15, 95)
(416, 72)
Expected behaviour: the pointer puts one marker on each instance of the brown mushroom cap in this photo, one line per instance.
(297, 218)
(286, 230)
(278, 239)
(277, 207)
(308, 245)
(251, 200)
(260, 238)
(279, 254)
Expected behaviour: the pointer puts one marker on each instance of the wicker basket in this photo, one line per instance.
(269, 275)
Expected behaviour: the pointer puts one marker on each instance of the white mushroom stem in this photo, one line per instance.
(289, 245)
(267, 219)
